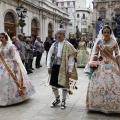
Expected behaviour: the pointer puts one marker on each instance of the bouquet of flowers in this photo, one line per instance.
(93, 65)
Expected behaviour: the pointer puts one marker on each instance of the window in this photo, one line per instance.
(71, 10)
(71, 4)
(78, 15)
(77, 23)
(102, 14)
(50, 26)
(84, 23)
(83, 30)
(83, 16)
(59, 4)
(9, 18)
(34, 23)
(65, 4)
(70, 24)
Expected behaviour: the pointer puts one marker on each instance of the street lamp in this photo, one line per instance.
(21, 12)
(61, 23)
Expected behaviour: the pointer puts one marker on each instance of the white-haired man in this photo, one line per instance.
(63, 67)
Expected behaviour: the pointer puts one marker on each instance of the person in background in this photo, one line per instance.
(29, 56)
(38, 49)
(83, 54)
(47, 45)
(73, 41)
(15, 42)
(22, 46)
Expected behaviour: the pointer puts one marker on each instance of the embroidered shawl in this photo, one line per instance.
(68, 50)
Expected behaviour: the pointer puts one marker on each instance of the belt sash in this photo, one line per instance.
(20, 86)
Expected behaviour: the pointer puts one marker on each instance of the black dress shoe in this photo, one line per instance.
(40, 66)
(30, 71)
(32, 68)
(37, 67)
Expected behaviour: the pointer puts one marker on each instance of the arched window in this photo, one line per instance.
(10, 24)
(78, 15)
(102, 13)
(34, 23)
(9, 18)
(50, 26)
(34, 28)
(83, 16)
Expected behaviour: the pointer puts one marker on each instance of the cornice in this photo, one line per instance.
(40, 6)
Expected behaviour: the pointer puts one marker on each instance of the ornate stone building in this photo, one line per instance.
(72, 7)
(42, 17)
(84, 21)
(105, 9)
(68, 6)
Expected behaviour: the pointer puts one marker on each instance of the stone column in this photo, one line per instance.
(43, 24)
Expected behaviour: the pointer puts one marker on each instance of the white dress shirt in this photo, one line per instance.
(59, 55)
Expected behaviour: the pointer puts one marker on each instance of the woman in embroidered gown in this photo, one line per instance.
(104, 86)
(15, 87)
(82, 53)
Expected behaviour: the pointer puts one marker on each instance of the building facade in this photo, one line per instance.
(78, 15)
(84, 21)
(69, 7)
(105, 9)
(42, 18)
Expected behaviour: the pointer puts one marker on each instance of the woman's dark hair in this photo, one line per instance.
(108, 27)
(6, 37)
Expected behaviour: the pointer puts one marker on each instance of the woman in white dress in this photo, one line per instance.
(15, 85)
(104, 86)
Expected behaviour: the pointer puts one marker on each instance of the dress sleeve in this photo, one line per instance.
(12, 51)
(116, 49)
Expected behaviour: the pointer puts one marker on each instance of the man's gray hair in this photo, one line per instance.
(61, 31)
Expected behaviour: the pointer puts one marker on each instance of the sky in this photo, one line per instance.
(89, 2)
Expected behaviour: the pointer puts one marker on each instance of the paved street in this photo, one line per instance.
(38, 106)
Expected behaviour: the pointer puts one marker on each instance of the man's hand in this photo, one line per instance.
(49, 71)
(69, 74)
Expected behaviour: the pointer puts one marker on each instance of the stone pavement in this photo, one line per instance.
(38, 106)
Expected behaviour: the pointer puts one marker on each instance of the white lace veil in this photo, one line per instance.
(100, 37)
(17, 55)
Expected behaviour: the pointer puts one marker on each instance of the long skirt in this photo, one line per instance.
(82, 58)
(54, 76)
(9, 90)
(104, 89)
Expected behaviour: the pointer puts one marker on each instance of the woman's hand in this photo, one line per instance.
(15, 70)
